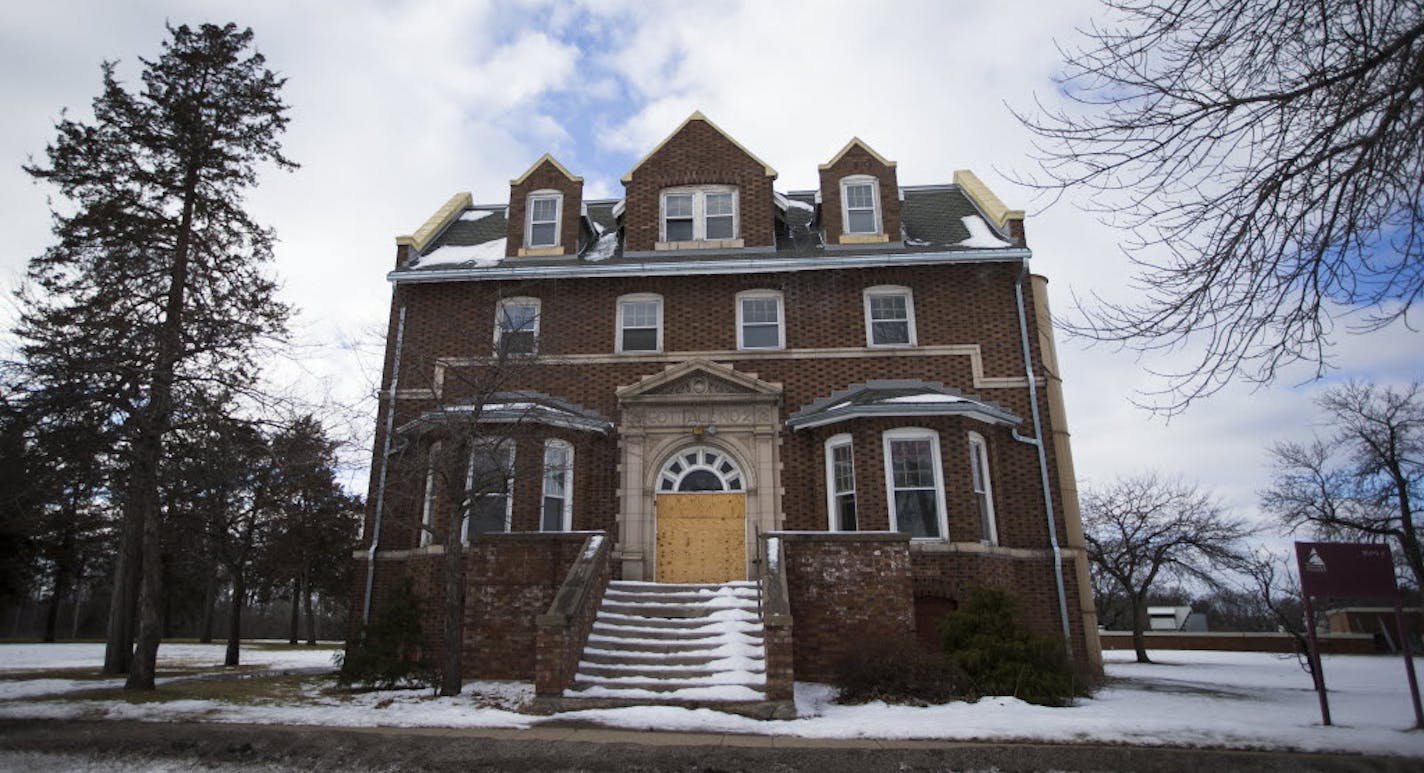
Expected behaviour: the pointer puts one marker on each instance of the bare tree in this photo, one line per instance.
(1267, 158)
(1142, 528)
(1275, 591)
(459, 458)
(1361, 481)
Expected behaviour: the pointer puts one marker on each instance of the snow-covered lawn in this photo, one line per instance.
(1241, 700)
(18, 661)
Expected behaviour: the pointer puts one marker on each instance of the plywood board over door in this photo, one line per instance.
(702, 538)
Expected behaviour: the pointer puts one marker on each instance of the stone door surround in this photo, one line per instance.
(694, 403)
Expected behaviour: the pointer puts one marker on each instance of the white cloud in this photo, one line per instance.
(397, 106)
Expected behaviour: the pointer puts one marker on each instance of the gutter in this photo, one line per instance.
(385, 466)
(758, 265)
(1037, 442)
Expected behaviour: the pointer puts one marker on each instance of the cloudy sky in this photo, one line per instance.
(398, 105)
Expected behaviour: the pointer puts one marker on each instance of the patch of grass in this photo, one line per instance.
(287, 690)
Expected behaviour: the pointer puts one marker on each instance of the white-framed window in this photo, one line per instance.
(983, 488)
(557, 511)
(701, 213)
(860, 205)
(840, 483)
(489, 489)
(914, 483)
(427, 508)
(516, 325)
(761, 322)
(542, 211)
(889, 316)
(640, 323)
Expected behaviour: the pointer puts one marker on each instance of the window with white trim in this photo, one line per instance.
(760, 323)
(516, 325)
(914, 483)
(427, 509)
(840, 483)
(489, 485)
(557, 510)
(860, 205)
(542, 218)
(640, 323)
(889, 316)
(983, 488)
(702, 213)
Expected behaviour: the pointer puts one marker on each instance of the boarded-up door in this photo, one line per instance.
(702, 537)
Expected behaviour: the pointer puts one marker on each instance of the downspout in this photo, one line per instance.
(385, 465)
(1037, 442)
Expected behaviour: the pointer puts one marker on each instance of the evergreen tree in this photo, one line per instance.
(156, 285)
(315, 520)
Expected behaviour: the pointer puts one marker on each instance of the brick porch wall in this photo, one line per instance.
(844, 588)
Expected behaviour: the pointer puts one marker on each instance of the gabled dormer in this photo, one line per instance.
(544, 211)
(699, 189)
(860, 197)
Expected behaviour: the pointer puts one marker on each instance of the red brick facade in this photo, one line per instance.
(842, 587)
(858, 160)
(699, 154)
(545, 176)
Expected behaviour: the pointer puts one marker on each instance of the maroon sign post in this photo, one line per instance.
(1359, 570)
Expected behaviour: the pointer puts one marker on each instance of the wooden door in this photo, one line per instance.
(701, 538)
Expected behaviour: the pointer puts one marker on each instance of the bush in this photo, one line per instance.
(1002, 657)
(898, 670)
(390, 651)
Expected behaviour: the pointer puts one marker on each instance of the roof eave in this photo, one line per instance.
(979, 412)
(755, 265)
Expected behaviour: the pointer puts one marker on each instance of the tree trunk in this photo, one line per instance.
(451, 679)
(311, 619)
(148, 444)
(123, 599)
(210, 601)
(234, 624)
(293, 628)
(51, 617)
(1408, 537)
(1139, 623)
(149, 450)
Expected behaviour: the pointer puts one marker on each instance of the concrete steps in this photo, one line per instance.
(662, 643)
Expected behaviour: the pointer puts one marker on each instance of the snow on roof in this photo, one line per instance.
(980, 235)
(781, 201)
(472, 215)
(604, 248)
(923, 397)
(481, 255)
(618, 208)
(797, 203)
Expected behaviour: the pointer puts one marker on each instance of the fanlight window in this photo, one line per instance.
(700, 469)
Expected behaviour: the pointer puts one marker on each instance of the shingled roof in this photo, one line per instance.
(935, 218)
(900, 397)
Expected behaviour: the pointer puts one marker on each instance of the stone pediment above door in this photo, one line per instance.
(700, 381)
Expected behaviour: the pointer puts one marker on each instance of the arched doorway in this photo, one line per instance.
(701, 517)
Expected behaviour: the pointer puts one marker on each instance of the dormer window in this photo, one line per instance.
(860, 204)
(543, 211)
(703, 213)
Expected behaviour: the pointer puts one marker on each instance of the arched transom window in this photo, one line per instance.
(700, 468)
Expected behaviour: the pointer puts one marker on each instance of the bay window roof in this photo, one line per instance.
(900, 397)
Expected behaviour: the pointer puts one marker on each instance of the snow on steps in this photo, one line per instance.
(669, 643)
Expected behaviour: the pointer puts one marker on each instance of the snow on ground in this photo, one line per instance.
(1190, 698)
(34, 657)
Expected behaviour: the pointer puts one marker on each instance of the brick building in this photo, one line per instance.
(847, 396)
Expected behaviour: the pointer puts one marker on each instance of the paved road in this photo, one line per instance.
(41, 744)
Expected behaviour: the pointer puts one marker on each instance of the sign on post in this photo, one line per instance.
(1352, 570)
